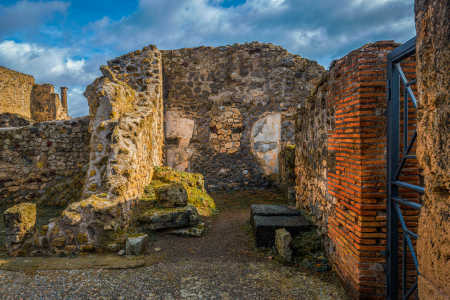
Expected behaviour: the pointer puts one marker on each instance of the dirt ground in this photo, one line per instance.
(223, 264)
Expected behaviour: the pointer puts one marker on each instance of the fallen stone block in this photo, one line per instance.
(171, 195)
(271, 210)
(164, 218)
(20, 222)
(283, 241)
(136, 245)
(195, 231)
(264, 227)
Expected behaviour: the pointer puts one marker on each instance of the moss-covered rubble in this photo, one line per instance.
(166, 178)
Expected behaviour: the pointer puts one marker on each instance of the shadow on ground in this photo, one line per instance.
(223, 264)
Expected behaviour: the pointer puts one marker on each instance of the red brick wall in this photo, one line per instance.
(357, 91)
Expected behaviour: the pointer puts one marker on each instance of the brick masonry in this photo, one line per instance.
(340, 165)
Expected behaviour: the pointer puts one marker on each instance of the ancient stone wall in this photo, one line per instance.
(46, 104)
(433, 78)
(13, 120)
(15, 92)
(126, 144)
(44, 163)
(230, 109)
(315, 119)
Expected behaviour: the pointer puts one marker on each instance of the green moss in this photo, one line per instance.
(192, 182)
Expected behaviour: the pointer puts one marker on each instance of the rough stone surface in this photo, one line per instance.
(46, 104)
(19, 95)
(271, 210)
(137, 245)
(171, 195)
(195, 231)
(169, 218)
(15, 92)
(192, 183)
(433, 149)
(264, 227)
(125, 105)
(44, 163)
(20, 221)
(286, 178)
(283, 241)
(224, 91)
(313, 159)
(13, 120)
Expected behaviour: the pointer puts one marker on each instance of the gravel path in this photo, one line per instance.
(221, 265)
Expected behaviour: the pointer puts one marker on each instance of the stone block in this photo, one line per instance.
(283, 241)
(171, 195)
(196, 231)
(136, 245)
(20, 222)
(264, 227)
(164, 218)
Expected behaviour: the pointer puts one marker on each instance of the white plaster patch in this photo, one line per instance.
(265, 142)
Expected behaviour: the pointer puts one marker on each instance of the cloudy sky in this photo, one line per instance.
(65, 42)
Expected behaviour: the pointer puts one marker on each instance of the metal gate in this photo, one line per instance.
(398, 155)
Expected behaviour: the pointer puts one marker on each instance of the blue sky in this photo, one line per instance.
(65, 42)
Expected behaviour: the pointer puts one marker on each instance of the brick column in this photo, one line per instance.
(357, 91)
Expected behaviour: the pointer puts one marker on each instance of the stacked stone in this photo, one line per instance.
(15, 92)
(313, 159)
(228, 92)
(226, 130)
(13, 120)
(46, 105)
(43, 163)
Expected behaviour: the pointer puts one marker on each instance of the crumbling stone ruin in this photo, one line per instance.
(23, 102)
(228, 113)
(247, 115)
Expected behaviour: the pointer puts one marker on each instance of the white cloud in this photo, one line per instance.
(78, 105)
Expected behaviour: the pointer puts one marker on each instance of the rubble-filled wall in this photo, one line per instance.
(126, 144)
(44, 163)
(13, 120)
(15, 92)
(315, 118)
(230, 109)
(433, 78)
(46, 104)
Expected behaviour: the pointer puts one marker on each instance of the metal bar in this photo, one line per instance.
(405, 120)
(392, 190)
(405, 81)
(410, 186)
(412, 82)
(408, 239)
(411, 290)
(402, 164)
(411, 204)
(405, 50)
(404, 266)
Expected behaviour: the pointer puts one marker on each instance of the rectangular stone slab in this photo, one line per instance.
(271, 210)
(264, 227)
